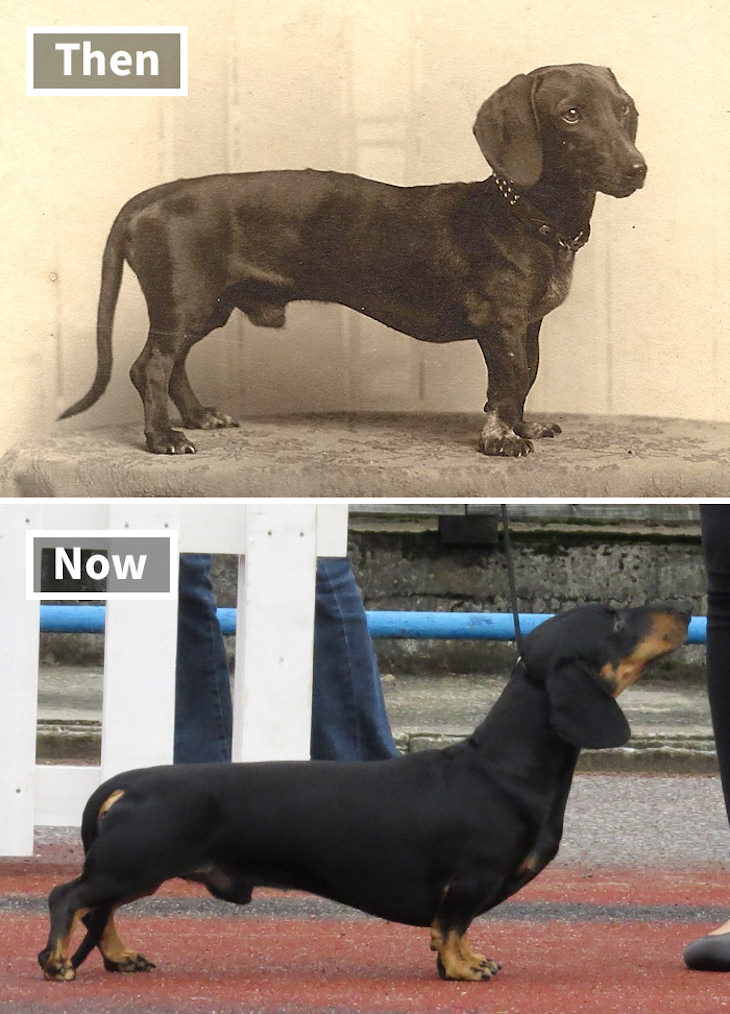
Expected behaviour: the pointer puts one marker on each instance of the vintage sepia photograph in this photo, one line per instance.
(466, 249)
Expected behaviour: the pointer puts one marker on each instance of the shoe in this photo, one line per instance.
(709, 954)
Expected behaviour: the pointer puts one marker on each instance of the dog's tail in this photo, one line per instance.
(111, 280)
(90, 821)
(97, 807)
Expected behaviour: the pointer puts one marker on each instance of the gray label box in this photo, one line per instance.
(73, 565)
(78, 60)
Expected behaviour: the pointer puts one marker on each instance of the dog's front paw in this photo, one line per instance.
(454, 967)
(536, 430)
(498, 439)
(169, 442)
(456, 959)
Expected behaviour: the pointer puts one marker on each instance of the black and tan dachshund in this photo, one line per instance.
(484, 261)
(433, 839)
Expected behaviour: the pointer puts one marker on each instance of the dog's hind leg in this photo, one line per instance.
(102, 933)
(151, 373)
(193, 414)
(65, 912)
(82, 900)
(117, 957)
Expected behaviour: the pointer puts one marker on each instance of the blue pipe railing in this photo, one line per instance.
(381, 623)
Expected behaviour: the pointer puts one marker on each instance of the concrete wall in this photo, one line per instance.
(559, 562)
(563, 556)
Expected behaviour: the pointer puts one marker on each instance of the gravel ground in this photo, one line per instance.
(646, 821)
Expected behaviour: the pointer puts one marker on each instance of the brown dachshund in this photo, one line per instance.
(432, 839)
(455, 261)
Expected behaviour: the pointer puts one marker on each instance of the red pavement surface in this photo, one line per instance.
(293, 965)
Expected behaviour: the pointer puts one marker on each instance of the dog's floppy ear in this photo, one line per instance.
(582, 711)
(507, 131)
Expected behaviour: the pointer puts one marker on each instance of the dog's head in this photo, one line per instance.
(574, 118)
(587, 656)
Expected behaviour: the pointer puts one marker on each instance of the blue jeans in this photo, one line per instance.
(203, 713)
(349, 721)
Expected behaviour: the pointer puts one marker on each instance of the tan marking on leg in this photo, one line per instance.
(477, 960)
(58, 965)
(437, 937)
(528, 865)
(109, 802)
(117, 957)
(457, 960)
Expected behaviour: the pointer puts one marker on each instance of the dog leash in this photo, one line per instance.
(511, 578)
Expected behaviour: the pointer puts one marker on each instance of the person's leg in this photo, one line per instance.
(349, 721)
(715, 519)
(203, 714)
(713, 952)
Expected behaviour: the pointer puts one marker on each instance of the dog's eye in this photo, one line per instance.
(625, 109)
(618, 625)
(571, 115)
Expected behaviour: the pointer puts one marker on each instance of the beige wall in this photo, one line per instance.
(297, 84)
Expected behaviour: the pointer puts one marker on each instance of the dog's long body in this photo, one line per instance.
(432, 839)
(454, 261)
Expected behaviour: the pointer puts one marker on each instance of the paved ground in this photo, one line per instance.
(378, 455)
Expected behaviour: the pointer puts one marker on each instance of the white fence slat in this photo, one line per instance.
(218, 528)
(18, 682)
(147, 515)
(274, 644)
(61, 792)
(138, 713)
(139, 660)
(278, 545)
(83, 516)
(332, 529)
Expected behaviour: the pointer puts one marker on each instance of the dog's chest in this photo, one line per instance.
(558, 285)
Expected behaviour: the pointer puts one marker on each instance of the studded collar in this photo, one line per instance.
(534, 218)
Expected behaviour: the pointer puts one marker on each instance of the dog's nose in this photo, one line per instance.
(636, 173)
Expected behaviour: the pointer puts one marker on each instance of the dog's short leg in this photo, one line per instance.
(101, 932)
(94, 900)
(456, 960)
(504, 353)
(65, 913)
(461, 902)
(193, 414)
(117, 957)
(151, 373)
(534, 430)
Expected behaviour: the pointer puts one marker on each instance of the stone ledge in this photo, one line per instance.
(378, 455)
(79, 742)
